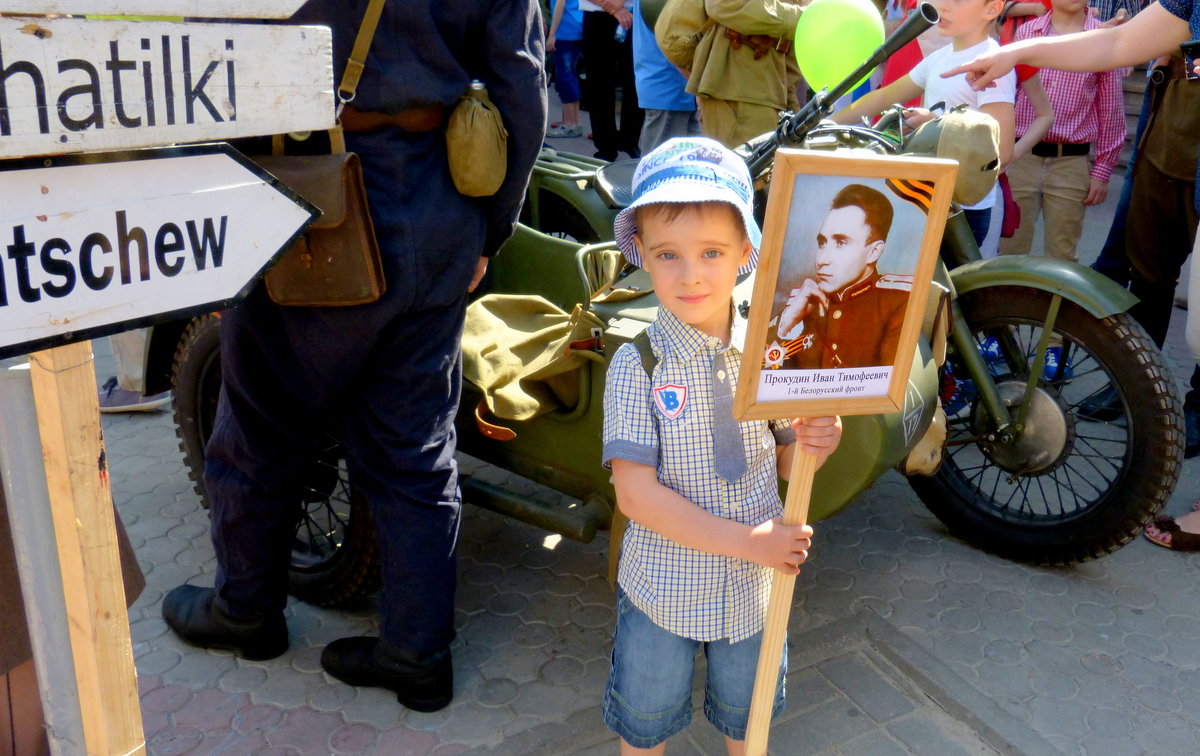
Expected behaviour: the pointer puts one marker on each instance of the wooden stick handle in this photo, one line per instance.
(795, 512)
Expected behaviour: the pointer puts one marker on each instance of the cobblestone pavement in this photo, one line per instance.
(904, 640)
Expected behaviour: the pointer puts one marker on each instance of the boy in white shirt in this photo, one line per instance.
(967, 23)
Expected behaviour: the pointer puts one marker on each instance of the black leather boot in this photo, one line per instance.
(189, 611)
(421, 680)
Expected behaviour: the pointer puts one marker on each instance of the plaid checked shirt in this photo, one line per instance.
(1106, 9)
(1088, 107)
(685, 591)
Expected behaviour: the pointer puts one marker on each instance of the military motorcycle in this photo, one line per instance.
(1048, 465)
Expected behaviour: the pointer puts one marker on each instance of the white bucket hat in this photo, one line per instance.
(689, 169)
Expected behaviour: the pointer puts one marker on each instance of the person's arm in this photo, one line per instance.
(1043, 117)
(1110, 134)
(774, 18)
(818, 436)
(512, 66)
(875, 102)
(1153, 32)
(1026, 9)
(559, 6)
(646, 501)
(1005, 115)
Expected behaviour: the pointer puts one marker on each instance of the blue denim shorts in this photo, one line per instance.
(566, 79)
(649, 694)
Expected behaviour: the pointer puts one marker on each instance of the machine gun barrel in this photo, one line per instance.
(794, 128)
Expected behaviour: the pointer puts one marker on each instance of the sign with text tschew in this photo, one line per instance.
(73, 85)
(196, 8)
(89, 247)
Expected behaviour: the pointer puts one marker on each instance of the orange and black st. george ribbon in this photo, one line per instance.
(918, 192)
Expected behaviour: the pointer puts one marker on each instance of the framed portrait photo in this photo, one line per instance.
(850, 241)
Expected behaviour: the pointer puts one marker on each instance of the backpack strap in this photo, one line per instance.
(649, 361)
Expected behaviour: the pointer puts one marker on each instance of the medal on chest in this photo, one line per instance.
(670, 400)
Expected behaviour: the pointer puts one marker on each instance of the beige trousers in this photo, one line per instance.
(1054, 188)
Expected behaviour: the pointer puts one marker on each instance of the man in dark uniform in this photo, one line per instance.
(847, 314)
(383, 376)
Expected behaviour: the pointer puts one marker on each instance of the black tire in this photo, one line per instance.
(1079, 483)
(335, 558)
(561, 219)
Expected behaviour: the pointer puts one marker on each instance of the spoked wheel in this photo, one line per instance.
(335, 559)
(1099, 449)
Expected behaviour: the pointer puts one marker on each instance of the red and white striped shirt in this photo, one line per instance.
(1087, 106)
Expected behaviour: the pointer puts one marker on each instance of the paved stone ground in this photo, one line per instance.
(904, 640)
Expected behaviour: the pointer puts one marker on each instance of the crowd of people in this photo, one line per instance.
(698, 554)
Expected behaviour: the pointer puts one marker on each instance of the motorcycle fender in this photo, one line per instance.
(581, 198)
(1085, 287)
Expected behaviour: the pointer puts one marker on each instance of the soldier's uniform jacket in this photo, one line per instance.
(861, 327)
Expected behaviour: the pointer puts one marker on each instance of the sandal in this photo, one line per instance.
(1165, 532)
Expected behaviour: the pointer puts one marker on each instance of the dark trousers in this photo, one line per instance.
(1112, 261)
(609, 64)
(1159, 232)
(384, 378)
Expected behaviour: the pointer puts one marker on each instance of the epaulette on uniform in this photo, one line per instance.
(894, 281)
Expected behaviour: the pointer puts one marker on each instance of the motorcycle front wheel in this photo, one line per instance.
(335, 560)
(1099, 452)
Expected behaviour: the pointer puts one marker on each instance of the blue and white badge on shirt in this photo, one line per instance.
(670, 400)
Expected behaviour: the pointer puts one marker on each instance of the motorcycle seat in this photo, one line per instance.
(613, 182)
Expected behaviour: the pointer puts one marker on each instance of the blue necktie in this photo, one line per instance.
(730, 454)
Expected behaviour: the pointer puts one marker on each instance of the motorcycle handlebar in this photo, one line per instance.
(795, 127)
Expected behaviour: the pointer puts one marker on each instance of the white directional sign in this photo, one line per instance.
(195, 8)
(70, 85)
(91, 247)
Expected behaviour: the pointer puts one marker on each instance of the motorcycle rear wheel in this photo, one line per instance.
(335, 559)
(1074, 485)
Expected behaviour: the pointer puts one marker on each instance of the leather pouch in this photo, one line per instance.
(336, 263)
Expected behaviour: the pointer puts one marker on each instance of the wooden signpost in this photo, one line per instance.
(70, 85)
(90, 247)
(98, 243)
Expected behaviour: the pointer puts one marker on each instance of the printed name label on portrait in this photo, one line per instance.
(670, 400)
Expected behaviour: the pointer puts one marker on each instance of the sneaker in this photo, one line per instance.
(562, 130)
(990, 349)
(1054, 356)
(956, 394)
(113, 398)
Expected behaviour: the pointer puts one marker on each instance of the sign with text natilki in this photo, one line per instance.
(195, 8)
(74, 85)
(96, 244)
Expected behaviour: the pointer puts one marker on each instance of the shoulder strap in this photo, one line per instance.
(649, 361)
(354, 69)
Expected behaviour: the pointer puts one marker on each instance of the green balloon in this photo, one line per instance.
(834, 37)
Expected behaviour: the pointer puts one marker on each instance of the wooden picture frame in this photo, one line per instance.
(819, 340)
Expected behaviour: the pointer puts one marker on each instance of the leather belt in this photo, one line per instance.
(1053, 150)
(1174, 69)
(760, 43)
(415, 120)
